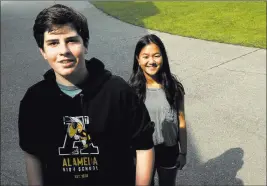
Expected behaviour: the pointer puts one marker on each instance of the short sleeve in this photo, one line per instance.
(180, 99)
(181, 104)
(28, 133)
(140, 126)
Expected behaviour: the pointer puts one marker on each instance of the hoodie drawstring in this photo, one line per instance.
(83, 112)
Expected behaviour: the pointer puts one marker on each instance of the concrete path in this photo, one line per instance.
(225, 93)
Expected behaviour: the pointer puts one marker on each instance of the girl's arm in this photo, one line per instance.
(182, 133)
(182, 128)
(182, 136)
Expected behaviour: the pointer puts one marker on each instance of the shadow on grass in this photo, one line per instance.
(139, 11)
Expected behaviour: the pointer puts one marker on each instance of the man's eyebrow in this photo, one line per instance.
(51, 40)
(73, 37)
(55, 40)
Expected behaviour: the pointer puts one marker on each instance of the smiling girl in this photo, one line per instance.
(163, 96)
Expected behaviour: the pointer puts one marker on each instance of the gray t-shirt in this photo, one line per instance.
(165, 118)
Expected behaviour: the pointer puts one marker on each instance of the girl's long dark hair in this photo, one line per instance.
(173, 89)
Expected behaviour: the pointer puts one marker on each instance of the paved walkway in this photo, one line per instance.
(225, 98)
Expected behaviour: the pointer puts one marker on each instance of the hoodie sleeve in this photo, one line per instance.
(140, 126)
(28, 132)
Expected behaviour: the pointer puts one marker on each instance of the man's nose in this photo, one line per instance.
(63, 48)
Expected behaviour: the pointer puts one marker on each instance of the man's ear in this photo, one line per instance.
(43, 53)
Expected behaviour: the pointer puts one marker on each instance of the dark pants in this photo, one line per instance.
(165, 164)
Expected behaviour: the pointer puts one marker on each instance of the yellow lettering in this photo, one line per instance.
(95, 161)
(74, 162)
(69, 163)
(64, 163)
(89, 161)
(80, 161)
(85, 162)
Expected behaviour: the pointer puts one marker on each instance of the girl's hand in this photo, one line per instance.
(181, 161)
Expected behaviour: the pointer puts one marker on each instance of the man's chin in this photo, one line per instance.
(67, 72)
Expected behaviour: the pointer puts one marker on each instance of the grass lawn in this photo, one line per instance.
(240, 23)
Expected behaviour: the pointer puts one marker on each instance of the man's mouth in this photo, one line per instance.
(66, 61)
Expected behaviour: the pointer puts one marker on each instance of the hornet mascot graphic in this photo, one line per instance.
(77, 132)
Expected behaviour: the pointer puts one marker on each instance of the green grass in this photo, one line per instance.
(240, 23)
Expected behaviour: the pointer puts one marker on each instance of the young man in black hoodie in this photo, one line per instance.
(80, 124)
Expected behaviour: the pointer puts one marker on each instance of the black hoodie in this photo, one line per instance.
(88, 139)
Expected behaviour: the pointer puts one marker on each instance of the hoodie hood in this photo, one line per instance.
(98, 75)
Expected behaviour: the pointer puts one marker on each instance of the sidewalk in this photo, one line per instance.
(225, 99)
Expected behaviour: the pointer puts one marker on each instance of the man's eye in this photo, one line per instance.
(73, 41)
(52, 44)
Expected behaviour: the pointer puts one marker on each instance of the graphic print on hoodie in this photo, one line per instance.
(88, 139)
(78, 142)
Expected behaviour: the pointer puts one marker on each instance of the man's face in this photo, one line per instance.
(64, 50)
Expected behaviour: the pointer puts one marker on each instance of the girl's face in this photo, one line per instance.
(150, 59)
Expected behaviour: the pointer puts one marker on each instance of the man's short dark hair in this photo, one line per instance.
(56, 16)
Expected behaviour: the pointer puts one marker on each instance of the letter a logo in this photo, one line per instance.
(77, 140)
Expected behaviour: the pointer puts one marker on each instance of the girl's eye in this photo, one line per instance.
(145, 57)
